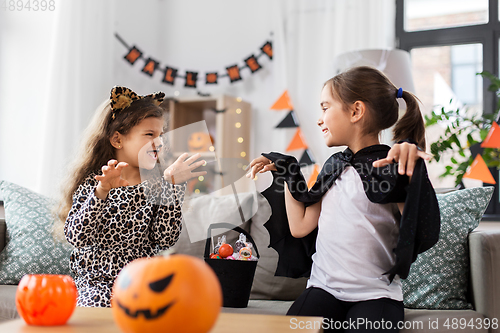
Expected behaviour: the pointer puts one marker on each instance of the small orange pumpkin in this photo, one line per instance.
(199, 142)
(45, 299)
(177, 293)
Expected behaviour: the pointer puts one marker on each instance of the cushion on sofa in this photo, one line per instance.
(439, 278)
(200, 212)
(31, 247)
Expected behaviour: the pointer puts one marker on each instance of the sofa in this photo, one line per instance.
(274, 295)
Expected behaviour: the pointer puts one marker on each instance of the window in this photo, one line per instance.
(449, 42)
(437, 14)
(466, 61)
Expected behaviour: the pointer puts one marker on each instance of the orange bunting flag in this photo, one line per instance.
(479, 170)
(492, 140)
(283, 102)
(313, 177)
(150, 67)
(133, 54)
(297, 141)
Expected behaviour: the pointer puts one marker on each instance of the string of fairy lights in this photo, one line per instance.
(236, 111)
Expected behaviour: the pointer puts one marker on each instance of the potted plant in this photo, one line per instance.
(464, 132)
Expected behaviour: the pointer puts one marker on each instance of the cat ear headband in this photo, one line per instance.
(122, 97)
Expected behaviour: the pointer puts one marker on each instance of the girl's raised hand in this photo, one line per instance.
(260, 165)
(111, 177)
(181, 170)
(406, 154)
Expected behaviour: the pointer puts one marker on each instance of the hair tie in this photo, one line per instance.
(400, 93)
(122, 97)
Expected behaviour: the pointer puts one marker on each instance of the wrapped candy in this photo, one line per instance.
(245, 253)
(221, 240)
(240, 243)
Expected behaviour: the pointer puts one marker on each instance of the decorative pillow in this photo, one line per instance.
(30, 247)
(439, 278)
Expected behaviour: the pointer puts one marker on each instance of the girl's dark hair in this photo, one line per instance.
(372, 87)
(96, 149)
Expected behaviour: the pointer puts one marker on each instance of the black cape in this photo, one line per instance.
(419, 224)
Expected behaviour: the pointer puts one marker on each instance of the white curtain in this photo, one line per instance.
(24, 37)
(80, 78)
(316, 32)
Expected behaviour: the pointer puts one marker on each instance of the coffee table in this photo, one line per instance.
(100, 320)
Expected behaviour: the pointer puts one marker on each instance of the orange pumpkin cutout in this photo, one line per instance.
(46, 300)
(200, 142)
(177, 293)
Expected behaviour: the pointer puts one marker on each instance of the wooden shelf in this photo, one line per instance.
(226, 118)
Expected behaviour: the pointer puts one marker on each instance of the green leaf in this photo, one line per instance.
(483, 133)
(454, 139)
(470, 140)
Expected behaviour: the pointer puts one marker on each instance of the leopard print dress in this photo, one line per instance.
(133, 222)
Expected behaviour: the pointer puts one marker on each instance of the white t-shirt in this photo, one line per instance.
(355, 243)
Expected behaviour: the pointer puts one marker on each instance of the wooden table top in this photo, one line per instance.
(100, 320)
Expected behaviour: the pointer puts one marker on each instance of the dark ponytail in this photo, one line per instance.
(372, 87)
(411, 125)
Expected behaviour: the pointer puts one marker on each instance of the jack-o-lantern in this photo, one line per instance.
(199, 142)
(45, 299)
(176, 293)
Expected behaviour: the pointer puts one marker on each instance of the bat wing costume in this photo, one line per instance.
(419, 224)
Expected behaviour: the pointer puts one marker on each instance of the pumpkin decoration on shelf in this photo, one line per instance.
(173, 293)
(45, 299)
(200, 141)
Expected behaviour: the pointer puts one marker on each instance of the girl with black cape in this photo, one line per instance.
(349, 233)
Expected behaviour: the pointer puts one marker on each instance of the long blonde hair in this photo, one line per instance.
(96, 149)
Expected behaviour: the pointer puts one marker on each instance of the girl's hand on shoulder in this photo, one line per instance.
(182, 169)
(111, 176)
(260, 165)
(406, 154)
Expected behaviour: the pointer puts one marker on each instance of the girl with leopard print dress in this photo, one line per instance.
(113, 217)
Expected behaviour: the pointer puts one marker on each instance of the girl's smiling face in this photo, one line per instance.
(141, 145)
(334, 122)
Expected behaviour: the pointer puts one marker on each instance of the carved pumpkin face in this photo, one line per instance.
(178, 293)
(199, 141)
(45, 299)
